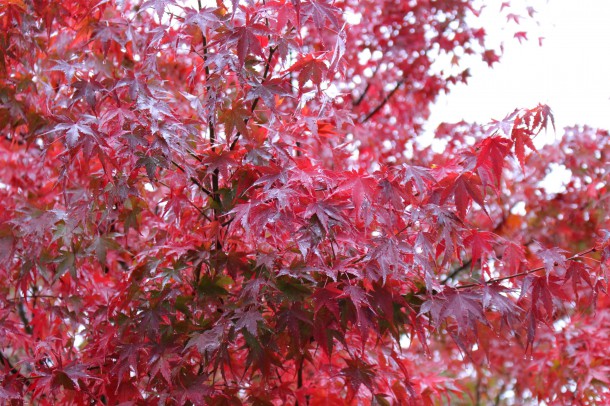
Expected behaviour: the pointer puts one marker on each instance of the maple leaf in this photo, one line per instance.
(208, 341)
(309, 68)
(247, 39)
(494, 297)
(362, 188)
(359, 298)
(553, 259)
(449, 226)
(522, 137)
(319, 11)
(578, 272)
(521, 36)
(514, 17)
(390, 193)
(69, 376)
(87, 89)
(389, 254)
(327, 297)
(491, 156)
(526, 126)
(490, 57)
(465, 188)
(513, 257)
(195, 390)
(151, 163)
(481, 243)
(158, 5)
(540, 117)
(294, 319)
(205, 18)
(235, 118)
(283, 13)
(465, 307)
(254, 216)
(73, 131)
(543, 289)
(68, 68)
(419, 176)
(358, 373)
(249, 321)
(268, 90)
(327, 212)
(220, 161)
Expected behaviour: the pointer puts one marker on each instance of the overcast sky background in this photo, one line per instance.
(570, 71)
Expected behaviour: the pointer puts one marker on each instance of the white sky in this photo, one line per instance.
(570, 71)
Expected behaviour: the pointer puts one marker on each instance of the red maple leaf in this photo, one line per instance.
(491, 157)
(481, 245)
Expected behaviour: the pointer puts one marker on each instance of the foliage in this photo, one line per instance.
(229, 203)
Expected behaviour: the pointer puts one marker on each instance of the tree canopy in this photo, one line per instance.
(229, 203)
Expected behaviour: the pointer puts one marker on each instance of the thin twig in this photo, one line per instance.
(456, 271)
(383, 102)
(255, 102)
(193, 179)
(211, 118)
(466, 264)
(524, 273)
(14, 371)
(367, 87)
(24, 319)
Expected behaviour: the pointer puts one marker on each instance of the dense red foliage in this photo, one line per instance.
(228, 203)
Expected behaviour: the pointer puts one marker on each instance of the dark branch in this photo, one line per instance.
(255, 102)
(216, 174)
(466, 264)
(193, 179)
(24, 319)
(383, 102)
(364, 92)
(14, 371)
(524, 273)
(456, 271)
(367, 88)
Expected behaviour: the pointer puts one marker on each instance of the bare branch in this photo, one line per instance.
(524, 273)
(383, 102)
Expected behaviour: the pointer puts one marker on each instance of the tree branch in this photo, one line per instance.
(456, 271)
(300, 375)
(193, 179)
(524, 273)
(212, 131)
(368, 86)
(255, 102)
(364, 92)
(383, 102)
(24, 319)
(466, 264)
(14, 371)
